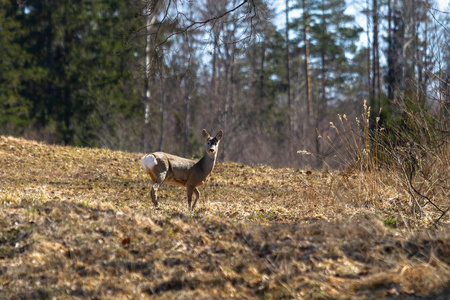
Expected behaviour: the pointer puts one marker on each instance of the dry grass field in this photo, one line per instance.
(79, 223)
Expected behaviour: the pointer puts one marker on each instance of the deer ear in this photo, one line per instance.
(219, 135)
(205, 134)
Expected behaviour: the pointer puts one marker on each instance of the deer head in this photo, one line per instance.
(212, 143)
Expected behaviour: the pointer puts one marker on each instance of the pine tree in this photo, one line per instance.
(332, 36)
(73, 76)
(14, 108)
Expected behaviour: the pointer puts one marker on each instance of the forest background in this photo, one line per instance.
(143, 76)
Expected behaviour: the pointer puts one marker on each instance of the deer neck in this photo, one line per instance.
(207, 163)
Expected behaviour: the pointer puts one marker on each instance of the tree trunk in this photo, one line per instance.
(307, 75)
(424, 81)
(288, 83)
(322, 102)
(415, 49)
(186, 117)
(369, 65)
(152, 10)
(213, 107)
(214, 65)
(162, 99)
(401, 56)
(261, 72)
(390, 55)
(147, 116)
(376, 54)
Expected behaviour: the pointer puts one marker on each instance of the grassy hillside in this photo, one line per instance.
(80, 223)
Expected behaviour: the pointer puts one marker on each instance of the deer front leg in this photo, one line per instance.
(154, 192)
(197, 195)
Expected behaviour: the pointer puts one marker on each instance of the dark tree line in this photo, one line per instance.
(149, 75)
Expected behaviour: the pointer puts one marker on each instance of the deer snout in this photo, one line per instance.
(212, 148)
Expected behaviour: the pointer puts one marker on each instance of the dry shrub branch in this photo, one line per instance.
(412, 159)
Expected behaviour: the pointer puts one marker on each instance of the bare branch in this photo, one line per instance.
(194, 25)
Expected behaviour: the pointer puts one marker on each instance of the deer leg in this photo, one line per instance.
(197, 195)
(154, 192)
(189, 191)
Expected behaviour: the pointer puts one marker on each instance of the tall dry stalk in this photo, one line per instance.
(411, 158)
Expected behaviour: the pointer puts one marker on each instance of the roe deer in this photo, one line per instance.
(179, 171)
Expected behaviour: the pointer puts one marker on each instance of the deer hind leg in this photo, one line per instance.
(197, 195)
(189, 191)
(158, 182)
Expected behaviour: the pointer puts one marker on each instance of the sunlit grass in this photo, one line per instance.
(78, 222)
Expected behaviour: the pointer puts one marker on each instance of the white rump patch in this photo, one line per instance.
(148, 162)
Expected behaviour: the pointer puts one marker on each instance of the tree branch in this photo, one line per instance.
(196, 24)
